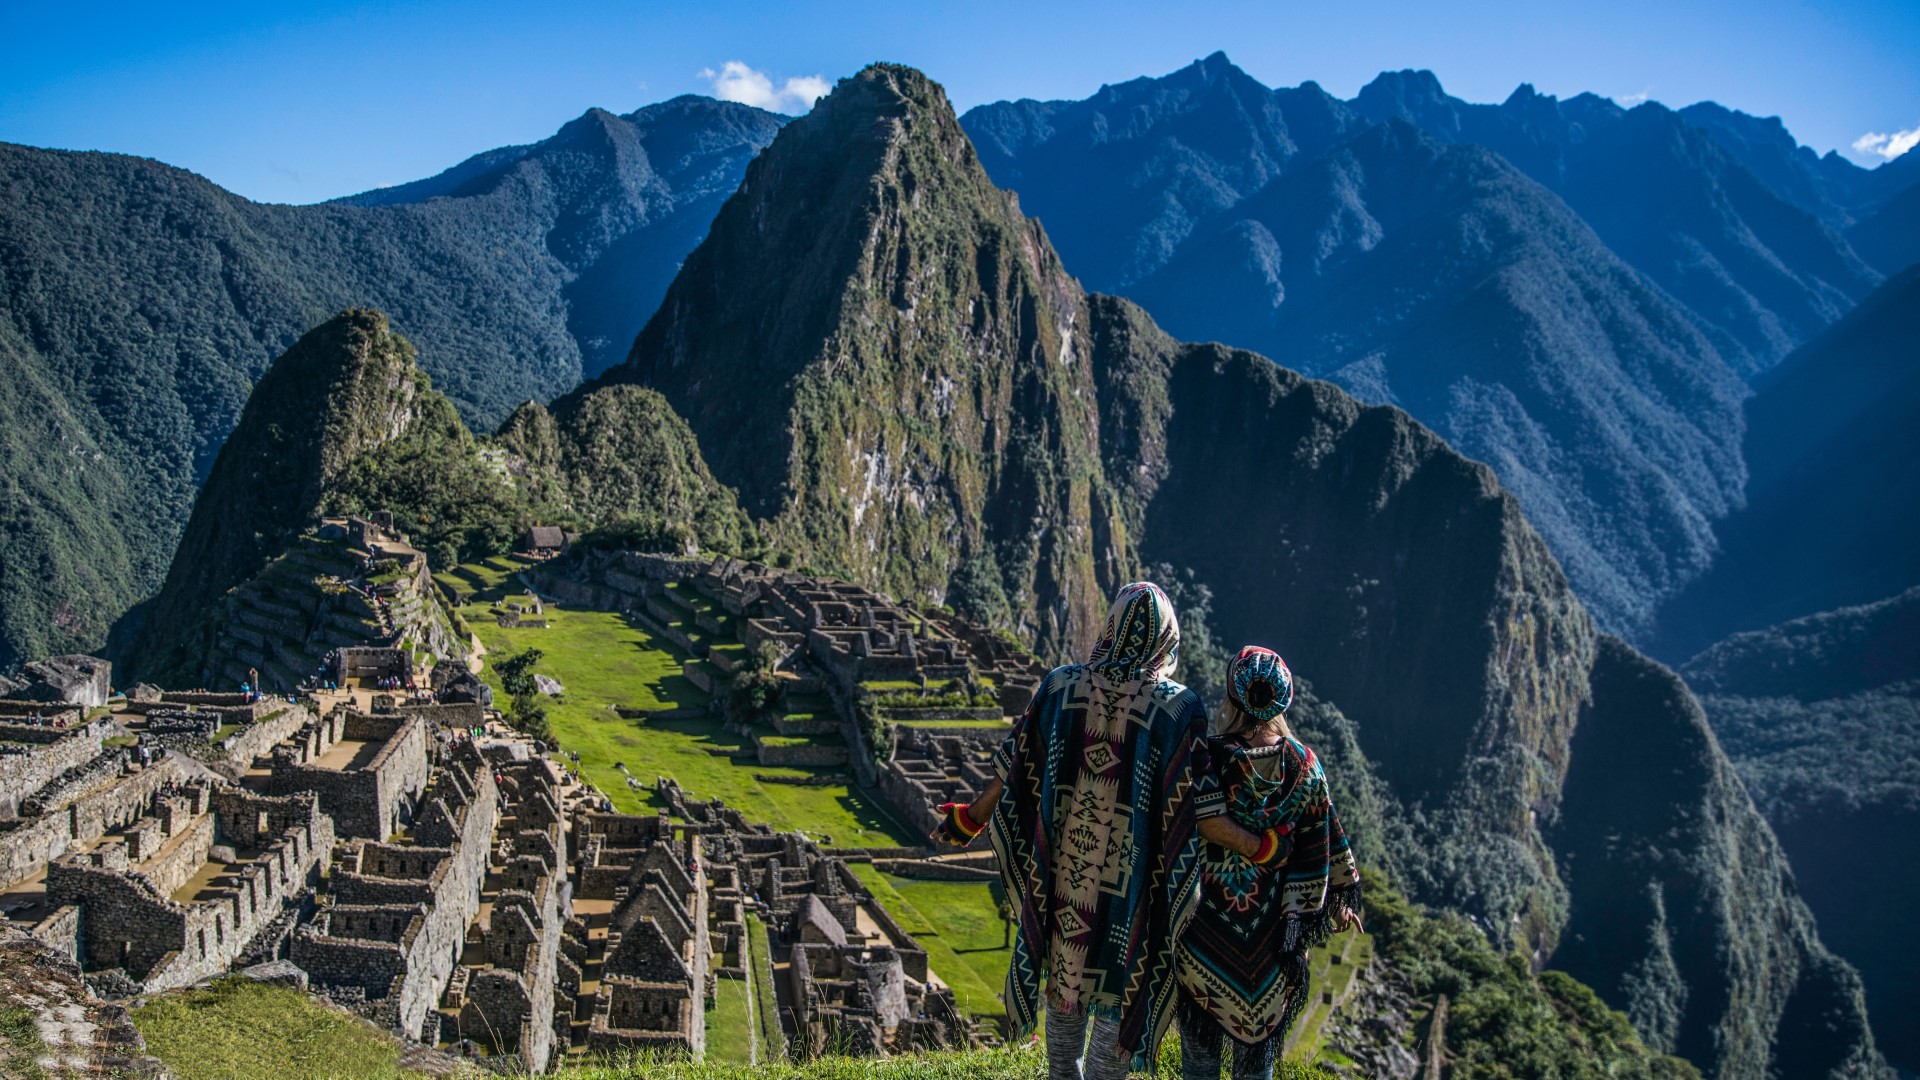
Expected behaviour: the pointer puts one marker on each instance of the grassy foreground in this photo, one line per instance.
(240, 1028)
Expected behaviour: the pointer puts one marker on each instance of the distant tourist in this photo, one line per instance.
(1097, 853)
(1243, 960)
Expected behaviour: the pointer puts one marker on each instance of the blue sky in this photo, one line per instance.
(301, 102)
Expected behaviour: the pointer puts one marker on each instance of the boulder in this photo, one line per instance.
(81, 680)
(277, 973)
(548, 686)
(463, 687)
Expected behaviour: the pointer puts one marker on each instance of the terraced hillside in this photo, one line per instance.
(634, 707)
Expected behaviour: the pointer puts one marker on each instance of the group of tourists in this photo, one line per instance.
(1161, 864)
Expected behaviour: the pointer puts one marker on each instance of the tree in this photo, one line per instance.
(755, 689)
(527, 715)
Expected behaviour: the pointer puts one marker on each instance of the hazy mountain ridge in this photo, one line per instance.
(1408, 586)
(143, 301)
(1440, 279)
(1607, 401)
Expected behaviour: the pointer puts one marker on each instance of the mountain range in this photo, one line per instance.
(1632, 268)
(906, 384)
(141, 304)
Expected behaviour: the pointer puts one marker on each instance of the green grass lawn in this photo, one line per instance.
(239, 1028)
(730, 1034)
(773, 1040)
(602, 661)
(950, 929)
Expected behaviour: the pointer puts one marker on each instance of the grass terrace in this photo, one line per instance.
(958, 925)
(605, 661)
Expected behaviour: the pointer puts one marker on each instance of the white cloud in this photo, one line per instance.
(1630, 100)
(1887, 146)
(735, 81)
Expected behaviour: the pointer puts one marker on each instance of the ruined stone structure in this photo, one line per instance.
(393, 925)
(369, 770)
(856, 981)
(458, 890)
(176, 896)
(932, 766)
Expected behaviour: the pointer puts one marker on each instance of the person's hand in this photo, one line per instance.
(956, 828)
(1275, 845)
(1348, 919)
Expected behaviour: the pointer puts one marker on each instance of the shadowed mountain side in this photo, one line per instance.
(1833, 503)
(1400, 576)
(346, 388)
(1890, 240)
(145, 301)
(1821, 716)
(1706, 892)
(1440, 279)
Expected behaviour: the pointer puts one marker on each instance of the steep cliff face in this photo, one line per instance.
(1686, 914)
(885, 358)
(889, 363)
(1821, 716)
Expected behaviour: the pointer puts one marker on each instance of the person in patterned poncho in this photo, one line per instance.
(1243, 959)
(1101, 795)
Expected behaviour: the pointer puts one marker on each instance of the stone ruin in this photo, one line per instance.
(457, 890)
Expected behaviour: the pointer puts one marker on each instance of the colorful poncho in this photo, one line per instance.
(1243, 958)
(1105, 778)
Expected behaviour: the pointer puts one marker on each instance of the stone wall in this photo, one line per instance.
(406, 972)
(128, 920)
(27, 846)
(372, 801)
(31, 757)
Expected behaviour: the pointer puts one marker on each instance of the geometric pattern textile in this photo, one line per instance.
(1243, 957)
(1106, 776)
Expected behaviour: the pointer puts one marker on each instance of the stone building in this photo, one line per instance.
(176, 896)
(393, 926)
(369, 769)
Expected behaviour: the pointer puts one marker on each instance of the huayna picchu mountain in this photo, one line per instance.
(889, 362)
(142, 302)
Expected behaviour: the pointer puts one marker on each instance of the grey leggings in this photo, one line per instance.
(1200, 1038)
(1070, 1036)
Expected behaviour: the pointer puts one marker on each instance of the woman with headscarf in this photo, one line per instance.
(1243, 959)
(1101, 795)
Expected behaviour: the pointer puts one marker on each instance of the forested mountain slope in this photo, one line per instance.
(1821, 716)
(139, 303)
(346, 422)
(926, 387)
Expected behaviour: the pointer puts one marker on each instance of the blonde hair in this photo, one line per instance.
(1231, 719)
